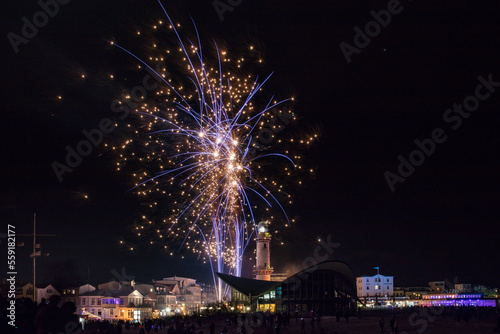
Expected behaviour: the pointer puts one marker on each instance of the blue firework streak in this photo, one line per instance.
(212, 134)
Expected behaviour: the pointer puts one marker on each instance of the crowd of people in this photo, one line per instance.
(50, 317)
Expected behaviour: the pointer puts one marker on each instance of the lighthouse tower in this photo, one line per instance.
(263, 269)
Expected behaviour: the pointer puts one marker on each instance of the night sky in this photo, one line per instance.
(441, 222)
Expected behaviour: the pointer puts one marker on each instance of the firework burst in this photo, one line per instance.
(198, 145)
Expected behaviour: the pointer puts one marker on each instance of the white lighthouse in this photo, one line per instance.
(263, 269)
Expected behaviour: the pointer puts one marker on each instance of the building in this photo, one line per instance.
(441, 286)
(463, 287)
(413, 292)
(45, 293)
(189, 296)
(457, 299)
(122, 304)
(327, 288)
(375, 286)
(70, 294)
(263, 269)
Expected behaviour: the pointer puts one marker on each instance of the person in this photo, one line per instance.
(212, 328)
(337, 315)
(381, 324)
(68, 317)
(48, 317)
(302, 326)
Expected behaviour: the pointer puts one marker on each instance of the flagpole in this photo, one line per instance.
(34, 258)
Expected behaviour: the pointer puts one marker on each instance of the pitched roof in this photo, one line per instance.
(248, 286)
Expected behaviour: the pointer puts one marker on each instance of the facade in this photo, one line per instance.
(70, 295)
(437, 286)
(413, 292)
(89, 304)
(120, 304)
(263, 269)
(441, 286)
(457, 299)
(375, 286)
(45, 293)
(189, 297)
(26, 291)
(463, 287)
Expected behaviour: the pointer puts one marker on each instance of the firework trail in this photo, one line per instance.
(202, 144)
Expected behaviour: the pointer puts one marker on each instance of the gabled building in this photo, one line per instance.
(45, 293)
(189, 296)
(121, 304)
(375, 286)
(26, 291)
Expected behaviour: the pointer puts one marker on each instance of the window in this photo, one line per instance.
(367, 288)
(98, 301)
(92, 302)
(49, 291)
(83, 301)
(387, 280)
(110, 311)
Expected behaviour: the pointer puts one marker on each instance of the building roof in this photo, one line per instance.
(334, 265)
(109, 293)
(248, 286)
